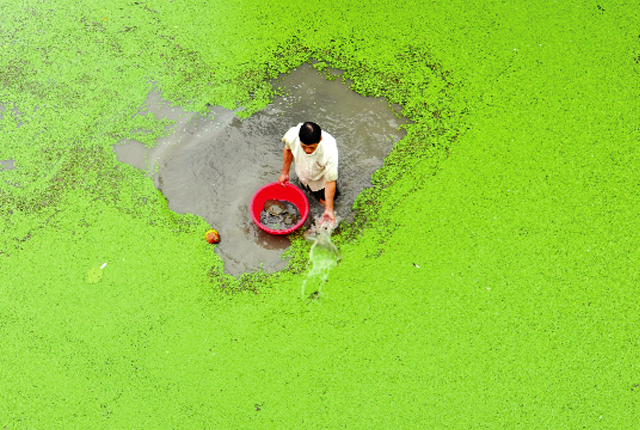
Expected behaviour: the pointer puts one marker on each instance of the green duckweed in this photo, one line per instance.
(488, 280)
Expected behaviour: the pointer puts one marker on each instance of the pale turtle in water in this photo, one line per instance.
(290, 219)
(274, 207)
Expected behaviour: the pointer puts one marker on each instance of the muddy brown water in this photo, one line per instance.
(212, 165)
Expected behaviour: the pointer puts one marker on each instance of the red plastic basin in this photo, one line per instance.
(275, 190)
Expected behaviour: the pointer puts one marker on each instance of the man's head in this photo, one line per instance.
(310, 136)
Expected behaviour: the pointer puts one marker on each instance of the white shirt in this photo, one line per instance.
(317, 168)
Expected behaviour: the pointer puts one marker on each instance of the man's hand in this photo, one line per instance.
(328, 217)
(287, 158)
(284, 178)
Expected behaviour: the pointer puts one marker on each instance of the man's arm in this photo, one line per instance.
(287, 158)
(329, 193)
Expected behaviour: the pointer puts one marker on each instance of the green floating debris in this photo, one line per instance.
(94, 275)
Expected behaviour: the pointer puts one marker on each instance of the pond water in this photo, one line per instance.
(7, 164)
(212, 165)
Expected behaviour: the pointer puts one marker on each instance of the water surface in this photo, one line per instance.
(212, 165)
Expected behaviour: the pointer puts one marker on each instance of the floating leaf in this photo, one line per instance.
(94, 275)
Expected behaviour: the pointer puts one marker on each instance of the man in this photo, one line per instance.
(316, 155)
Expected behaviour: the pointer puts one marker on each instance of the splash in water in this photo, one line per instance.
(323, 257)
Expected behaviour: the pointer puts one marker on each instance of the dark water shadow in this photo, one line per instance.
(211, 166)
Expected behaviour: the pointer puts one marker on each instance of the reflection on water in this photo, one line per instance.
(211, 166)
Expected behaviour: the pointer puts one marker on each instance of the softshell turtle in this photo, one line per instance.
(274, 207)
(290, 219)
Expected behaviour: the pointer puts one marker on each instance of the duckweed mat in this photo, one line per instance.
(490, 279)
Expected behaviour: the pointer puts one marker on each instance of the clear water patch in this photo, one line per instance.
(212, 165)
(7, 164)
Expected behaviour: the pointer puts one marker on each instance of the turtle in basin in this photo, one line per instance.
(290, 219)
(275, 207)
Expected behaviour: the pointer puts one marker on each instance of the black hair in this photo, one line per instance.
(310, 133)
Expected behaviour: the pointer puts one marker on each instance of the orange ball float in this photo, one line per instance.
(212, 236)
